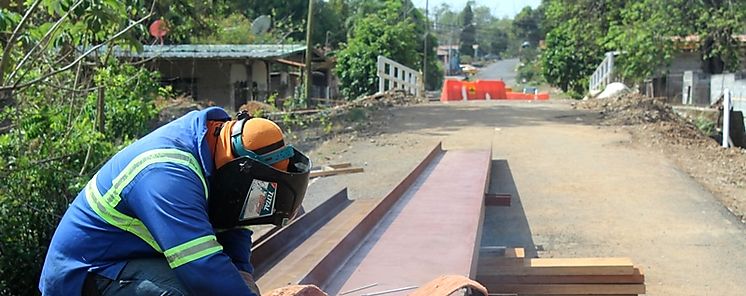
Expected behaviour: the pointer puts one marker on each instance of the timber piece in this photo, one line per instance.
(561, 266)
(497, 199)
(332, 166)
(335, 171)
(501, 256)
(501, 252)
(565, 289)
(489, 280)
(447, 284)
(433, 230)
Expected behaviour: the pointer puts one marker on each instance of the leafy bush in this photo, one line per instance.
(383, 32)
(50, 151)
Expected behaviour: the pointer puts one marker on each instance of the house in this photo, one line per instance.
(231, 75)
(449, 56)
(690, 78)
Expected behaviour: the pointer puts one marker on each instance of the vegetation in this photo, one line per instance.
(67, 106)
(648, 33)
(385, 28)
(467, 38)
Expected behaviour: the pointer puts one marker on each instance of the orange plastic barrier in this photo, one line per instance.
(492, 89)
(457, 90)
(523, 96)
(451, 90)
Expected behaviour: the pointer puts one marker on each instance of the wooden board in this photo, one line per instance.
(489, 280)
(565, 289)
(501, 252)
(559, 266)
(332, 172)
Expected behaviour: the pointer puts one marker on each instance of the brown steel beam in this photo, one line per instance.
(267, 252)
(332, 262)
(432, 230)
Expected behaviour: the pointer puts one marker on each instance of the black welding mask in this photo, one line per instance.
(249, 191)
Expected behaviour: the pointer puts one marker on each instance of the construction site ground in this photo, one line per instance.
(581, 188)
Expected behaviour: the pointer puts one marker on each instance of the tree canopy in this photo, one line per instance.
(647, 33)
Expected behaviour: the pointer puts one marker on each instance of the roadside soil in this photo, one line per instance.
(581, 186)
(654, 125)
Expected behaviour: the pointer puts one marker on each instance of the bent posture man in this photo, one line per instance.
(166, 215)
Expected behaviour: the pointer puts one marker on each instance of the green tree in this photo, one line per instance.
(61, 118)
(526, 25)
(647, 33)
(468, 31)
(382, 33)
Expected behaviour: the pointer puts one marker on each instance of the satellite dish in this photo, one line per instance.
(159, 29)
(261, 25)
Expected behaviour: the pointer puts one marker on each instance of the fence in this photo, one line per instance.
(392, 75)
(604, 73)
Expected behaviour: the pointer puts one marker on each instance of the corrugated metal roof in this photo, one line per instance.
(205, 51)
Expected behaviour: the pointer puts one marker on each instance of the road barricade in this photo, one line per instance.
(457, 90)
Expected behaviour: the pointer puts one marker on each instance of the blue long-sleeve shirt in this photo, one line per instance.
(170, 200)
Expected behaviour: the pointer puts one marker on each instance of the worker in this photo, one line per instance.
(168, 214)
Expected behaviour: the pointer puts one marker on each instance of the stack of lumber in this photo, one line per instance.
(507, 271)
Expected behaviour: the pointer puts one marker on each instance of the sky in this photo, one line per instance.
(500, 8)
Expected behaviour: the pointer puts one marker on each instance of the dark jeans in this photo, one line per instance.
(140, 277)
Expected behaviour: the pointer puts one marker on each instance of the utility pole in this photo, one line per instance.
(309, 52)
(427, 34)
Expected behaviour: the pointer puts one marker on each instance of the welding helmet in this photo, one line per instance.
(249, 190)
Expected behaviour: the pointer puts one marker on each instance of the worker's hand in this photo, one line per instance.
(249, 280)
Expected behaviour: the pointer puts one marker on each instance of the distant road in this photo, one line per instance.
(503, 69)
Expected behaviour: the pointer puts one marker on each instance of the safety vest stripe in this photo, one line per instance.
(192, 250)
(105, 205)
(145, 159)
(116, 218)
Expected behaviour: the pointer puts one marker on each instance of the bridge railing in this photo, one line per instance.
(393, 75)
(604, 73)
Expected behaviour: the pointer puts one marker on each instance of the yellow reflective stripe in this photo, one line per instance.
(105, 205)
(192, 250)
(116, 218)
(113, 196)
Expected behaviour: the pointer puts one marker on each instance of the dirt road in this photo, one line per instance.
(579, 190)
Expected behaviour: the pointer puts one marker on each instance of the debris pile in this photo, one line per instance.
(256, 107)
(387, 99)
(173, 108)
(631, 109)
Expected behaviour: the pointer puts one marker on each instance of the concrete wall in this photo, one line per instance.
(695, 89)
(736, 83)
(214, 80)
(685, 61)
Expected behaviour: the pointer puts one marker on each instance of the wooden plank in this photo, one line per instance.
(565, 289)
(340, 165)
(580, 262)
(560, 266)
(489, 280)
(497, 199)
(325, 173)
(501, 251)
